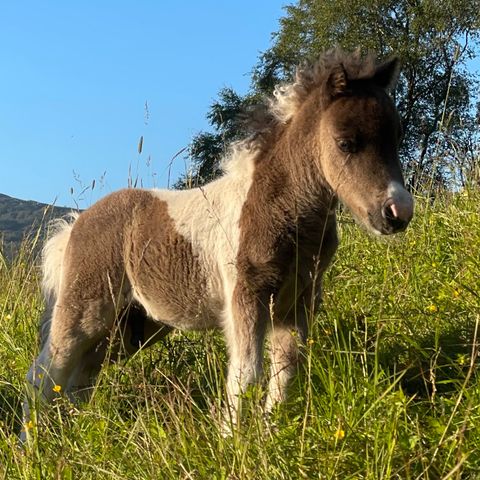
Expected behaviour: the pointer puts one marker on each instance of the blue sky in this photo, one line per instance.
(76, 76)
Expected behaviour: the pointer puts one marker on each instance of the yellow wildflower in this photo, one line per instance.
(456, 293)
(432, 308)
(28, 425)
(339, 434)
(462, 359)
(57, 388)
(310, 341)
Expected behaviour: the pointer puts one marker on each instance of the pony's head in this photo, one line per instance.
(358, 138)
(343, 123)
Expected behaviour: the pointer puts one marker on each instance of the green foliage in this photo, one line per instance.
(207, 148)
(435, 95)
(389, 388)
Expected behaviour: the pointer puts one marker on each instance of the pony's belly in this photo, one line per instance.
(196, 315)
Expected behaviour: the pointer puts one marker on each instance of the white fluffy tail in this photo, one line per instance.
(53, 253)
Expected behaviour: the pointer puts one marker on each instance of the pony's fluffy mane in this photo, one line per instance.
(264, 119)
(288, 97)
(261, 119)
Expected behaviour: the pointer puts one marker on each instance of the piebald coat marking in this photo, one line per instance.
(245, 253)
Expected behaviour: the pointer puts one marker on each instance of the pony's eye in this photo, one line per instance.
(346, 145)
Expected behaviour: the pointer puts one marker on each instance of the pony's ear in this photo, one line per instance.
(337, 81)
(386, 74)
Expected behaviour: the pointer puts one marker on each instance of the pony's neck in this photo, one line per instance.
(287, 174)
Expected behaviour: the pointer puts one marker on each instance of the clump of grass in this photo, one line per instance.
(388, 388)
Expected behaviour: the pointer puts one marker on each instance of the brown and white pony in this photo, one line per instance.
(246, 252)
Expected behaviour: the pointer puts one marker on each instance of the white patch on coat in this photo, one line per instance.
(208, 217)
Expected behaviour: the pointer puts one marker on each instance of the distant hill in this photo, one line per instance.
(20, 219)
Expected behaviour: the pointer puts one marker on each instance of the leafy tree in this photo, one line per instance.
(435, 94)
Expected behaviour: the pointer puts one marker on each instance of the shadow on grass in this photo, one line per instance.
(435, 361)
(181, 371)
(10, 409)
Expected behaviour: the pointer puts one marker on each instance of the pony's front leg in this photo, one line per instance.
(286, 340)
(244, 328)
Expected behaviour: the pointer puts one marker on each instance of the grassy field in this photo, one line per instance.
(389, 386)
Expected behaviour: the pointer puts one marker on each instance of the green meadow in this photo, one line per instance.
(388, 389)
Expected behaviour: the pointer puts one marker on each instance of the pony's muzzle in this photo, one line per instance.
(397, 214)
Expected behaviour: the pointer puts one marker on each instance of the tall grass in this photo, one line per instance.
(388, 388)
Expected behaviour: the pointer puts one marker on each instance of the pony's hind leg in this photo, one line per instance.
(73, 332)
(133, 330)
(121, 342)
(84, 376)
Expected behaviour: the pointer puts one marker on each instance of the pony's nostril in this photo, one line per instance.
(394, 210)
(389, 211)
(395, 218)
(397, 210)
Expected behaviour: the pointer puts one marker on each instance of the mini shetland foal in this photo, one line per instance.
(244, 253)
